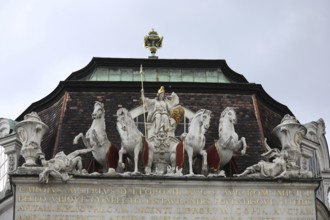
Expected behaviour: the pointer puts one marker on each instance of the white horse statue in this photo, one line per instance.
(194, 140)
(228, 142)
(96, 137)
(131, 139)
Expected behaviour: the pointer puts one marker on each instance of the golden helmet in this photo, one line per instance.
(161, 90)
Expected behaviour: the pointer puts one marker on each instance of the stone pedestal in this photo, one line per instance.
(179, 198)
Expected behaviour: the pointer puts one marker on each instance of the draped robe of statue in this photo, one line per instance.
(159, 112)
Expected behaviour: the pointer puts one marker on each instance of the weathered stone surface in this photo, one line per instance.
(30, 132)
(159, 199)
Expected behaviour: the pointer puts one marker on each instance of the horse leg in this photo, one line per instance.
(84, 139)
(204, 166)
(121, 165)
(173, 161)
(136, 158)
(189, 151)
(147, 169)
(76, 138)
(243, 151)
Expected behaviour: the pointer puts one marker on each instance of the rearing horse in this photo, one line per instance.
(96, 137)
(194, 141)
(228, 142)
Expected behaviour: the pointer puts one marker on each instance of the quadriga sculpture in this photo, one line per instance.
(96, 137)
(228, 143)
(194, 140)
(132, 141)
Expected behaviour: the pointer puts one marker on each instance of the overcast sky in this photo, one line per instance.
(282, 45)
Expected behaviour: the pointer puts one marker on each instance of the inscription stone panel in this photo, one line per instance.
(147, 199)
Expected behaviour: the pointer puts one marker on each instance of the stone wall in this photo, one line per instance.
(160, 199)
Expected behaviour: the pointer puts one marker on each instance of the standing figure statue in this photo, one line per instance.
(164, 114)
(160, 112)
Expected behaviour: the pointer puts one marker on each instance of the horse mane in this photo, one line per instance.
(222, 117)
(224, 112)
(97, 103)
(197, 114)
(124, 113)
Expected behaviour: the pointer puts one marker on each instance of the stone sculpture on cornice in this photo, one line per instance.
(285, 162)
(163, 115)
(96, 137)
(30, 132)
(223, 149)
(163, 112)
(274, 169)
(132, 143)
(62, 165)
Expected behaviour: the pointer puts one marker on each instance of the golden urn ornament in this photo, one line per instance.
(153, 41)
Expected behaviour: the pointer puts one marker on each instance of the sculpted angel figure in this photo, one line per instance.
(160, 110)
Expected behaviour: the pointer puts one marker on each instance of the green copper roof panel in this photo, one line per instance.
(198, 75)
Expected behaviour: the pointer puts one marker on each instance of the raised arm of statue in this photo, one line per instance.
(148, 103)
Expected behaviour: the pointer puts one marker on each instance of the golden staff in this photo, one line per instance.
(143, 103)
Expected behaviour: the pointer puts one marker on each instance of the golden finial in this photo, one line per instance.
(153, 41)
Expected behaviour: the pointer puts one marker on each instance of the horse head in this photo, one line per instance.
(98, 110)
(206, 117)
(173, 99)
(124, 119)
(122, 112)
(229, 114)
(203, 116)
